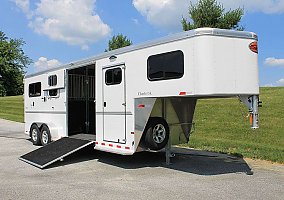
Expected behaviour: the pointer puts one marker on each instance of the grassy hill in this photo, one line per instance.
(221, 125)
(12, 108)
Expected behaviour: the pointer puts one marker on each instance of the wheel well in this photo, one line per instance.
(42, 125)
(154, 118)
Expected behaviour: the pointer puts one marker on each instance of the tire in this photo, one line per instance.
(35, 134)
(45, 137)
(156, 133)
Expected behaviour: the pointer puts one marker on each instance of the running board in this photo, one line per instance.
(54, 151)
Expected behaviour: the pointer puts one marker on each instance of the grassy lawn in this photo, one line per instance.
(222, 126)
(12, 108)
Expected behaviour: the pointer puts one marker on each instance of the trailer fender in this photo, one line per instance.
(143, 109)
(54, 131)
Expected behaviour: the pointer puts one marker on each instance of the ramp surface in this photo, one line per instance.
(54, 151)
(84, 136)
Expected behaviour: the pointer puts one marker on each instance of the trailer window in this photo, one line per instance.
(52, 80)
(35, 89)
(113, 76)
(164, 66)
(53, 93)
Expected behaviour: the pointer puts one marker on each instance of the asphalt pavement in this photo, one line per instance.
(90, 174)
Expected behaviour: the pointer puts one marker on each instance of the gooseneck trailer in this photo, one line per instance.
(139, 97)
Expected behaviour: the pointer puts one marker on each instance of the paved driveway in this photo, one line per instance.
(90, 174)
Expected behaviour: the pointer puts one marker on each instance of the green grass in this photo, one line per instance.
(12, 108)
(222, 126)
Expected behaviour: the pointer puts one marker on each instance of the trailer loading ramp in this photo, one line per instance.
(54, 151)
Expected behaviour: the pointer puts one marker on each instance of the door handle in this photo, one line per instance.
(105, 104)
(124, 104)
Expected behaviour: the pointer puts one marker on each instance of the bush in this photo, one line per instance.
(2, 90)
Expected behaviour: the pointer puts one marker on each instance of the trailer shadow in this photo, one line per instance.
(185, 160)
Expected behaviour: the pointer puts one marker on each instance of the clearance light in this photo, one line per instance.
(182, 93)
(250, 119)
(253, 47)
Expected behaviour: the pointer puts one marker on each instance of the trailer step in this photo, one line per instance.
(54, 151)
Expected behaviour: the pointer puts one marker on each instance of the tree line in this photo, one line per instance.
(14, 61)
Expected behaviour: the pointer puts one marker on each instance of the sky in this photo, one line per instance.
(63, 31)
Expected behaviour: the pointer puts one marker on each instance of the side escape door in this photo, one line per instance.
(114, 105)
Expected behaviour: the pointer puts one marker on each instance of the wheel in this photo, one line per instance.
(157, 133)
(35, 134)
(45, 136)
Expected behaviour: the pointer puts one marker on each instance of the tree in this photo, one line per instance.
(210, 13)
(118, 41)
(13, 61)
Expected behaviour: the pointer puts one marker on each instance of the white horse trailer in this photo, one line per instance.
(137, 97)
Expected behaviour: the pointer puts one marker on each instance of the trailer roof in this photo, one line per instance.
(163, 40)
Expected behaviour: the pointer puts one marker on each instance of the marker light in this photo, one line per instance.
(253, 47)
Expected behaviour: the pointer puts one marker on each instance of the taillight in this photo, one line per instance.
(253, 47)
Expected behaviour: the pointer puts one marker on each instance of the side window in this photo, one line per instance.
(113, 76)
(165, 66)
(53, 93)
(52, 80)
(35, 89)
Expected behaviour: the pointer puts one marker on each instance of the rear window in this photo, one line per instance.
(165, 66)
(35, 89)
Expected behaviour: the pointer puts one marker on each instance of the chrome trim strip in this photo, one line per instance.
(31, 163)
(55, 88)
(114, 65)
